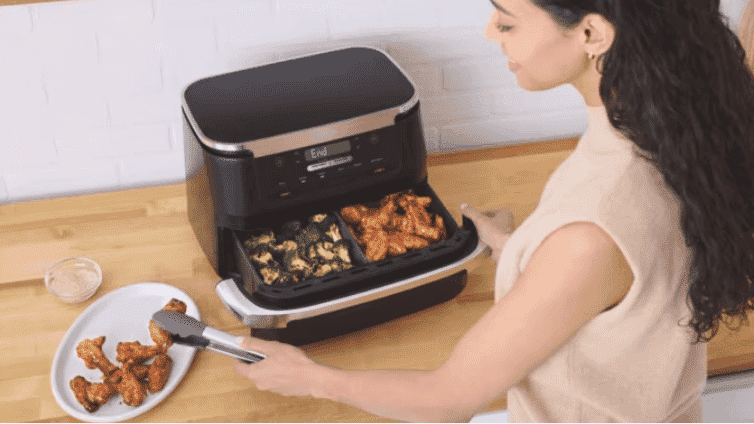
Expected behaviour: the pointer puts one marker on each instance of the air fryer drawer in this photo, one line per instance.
(364, 274)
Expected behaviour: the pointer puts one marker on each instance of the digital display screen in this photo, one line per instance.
(321, 152)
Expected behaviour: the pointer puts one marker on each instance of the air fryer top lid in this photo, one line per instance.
(260, 103)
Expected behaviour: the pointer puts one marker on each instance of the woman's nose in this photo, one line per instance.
(490, 30)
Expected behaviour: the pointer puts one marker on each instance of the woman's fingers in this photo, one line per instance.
(483, 223)
(257, 345)
(494, 231)
(503, 220)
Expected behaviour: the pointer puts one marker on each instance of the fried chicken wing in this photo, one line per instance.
(90, 350)
(376, 243)
(395, 245)
(159, 372)
(175, 305)
(140, 371)
(136, 352)
(414, 242)
(79, 385)
(159, 336)
(100, 393)
(130, 387)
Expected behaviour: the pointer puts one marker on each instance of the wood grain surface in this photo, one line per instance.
(143, 235)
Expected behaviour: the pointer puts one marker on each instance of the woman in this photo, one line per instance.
(640, 245)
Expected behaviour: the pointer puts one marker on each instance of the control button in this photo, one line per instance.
(378, 170)
(374, 139)
(279, 161)
(341, 173)
(306, 184)
(357, 165)
(283, 189)
(376, 160)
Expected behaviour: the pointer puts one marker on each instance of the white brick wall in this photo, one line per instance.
(91, 88)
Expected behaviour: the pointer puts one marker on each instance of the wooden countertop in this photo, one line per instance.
(143, 235)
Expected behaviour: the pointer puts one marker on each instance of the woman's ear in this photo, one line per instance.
(597, 34)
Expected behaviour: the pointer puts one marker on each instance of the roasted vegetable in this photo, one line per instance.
(261, 237)
(270, 272)
(298, 252)
(260, 255)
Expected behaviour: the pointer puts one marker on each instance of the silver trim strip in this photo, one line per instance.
(255, 316)
(310, 136)
(329, 163)
(727, 382)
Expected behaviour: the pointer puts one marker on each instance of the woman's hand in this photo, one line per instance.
(493, 230)
(286, 370)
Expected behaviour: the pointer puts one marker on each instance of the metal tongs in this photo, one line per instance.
(189, 331)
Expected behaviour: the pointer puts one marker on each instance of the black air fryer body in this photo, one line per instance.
(288, 140)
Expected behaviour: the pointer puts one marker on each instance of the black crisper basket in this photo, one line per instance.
(364, 275)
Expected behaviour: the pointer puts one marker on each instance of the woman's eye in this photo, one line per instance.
(504, 28)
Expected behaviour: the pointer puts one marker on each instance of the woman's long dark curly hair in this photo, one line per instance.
(675, 82)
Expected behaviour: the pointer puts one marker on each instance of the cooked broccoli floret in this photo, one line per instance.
(323, 270)
(286, 246)
(338, 265)
(287, 278)
(261, 237)
(260, 255)
(293, 262)
(323, 250)
(334, 232)
(308, 235)
(318, 218)
(341, 249)
(270, 272)
(289, 230)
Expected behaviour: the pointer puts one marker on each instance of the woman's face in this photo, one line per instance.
(540, 53)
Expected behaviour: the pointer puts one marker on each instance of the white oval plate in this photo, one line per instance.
(120, 316)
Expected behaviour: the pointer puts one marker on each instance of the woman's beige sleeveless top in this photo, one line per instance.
(635, 362)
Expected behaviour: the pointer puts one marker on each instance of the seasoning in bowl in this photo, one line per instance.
(74, 280)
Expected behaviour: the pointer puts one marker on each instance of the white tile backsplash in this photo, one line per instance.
(74, 176)
(15, 23)
(143, 170)
(3, 191)
(531, 127)
(96, 84)
(452, 107)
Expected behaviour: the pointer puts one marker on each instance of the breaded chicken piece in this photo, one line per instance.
(159, 372)
(175, 305)
(90, 350)
(100, 393)
(159, 336)
(79, 385)
(136, 352)
(131, 388)
(140, 371)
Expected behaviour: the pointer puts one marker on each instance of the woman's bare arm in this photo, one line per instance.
(575, 274)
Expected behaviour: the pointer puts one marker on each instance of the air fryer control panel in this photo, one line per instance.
(366, 158)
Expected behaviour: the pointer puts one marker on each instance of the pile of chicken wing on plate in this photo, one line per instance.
(134, 378)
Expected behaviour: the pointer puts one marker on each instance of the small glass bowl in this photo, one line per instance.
(74, 280)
